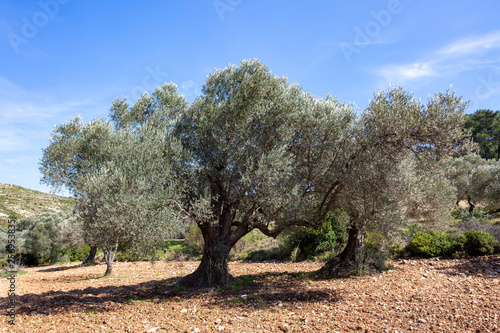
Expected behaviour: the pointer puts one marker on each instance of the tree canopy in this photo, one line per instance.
(485, 128)
(121, 175)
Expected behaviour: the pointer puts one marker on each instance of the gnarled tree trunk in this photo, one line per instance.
(213, 270)
(91, 257)
(350, 259)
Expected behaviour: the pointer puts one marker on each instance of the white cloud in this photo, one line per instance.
(472, 45)
(187, 85)
(466, 54)
(399, 73)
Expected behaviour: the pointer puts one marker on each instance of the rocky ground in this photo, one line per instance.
(429, 295)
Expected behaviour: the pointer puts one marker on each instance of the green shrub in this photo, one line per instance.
(431, 244)
(478, 243)
(194, 241)
(308, 243)
(78, 253)
(377, 251)
(463, 214)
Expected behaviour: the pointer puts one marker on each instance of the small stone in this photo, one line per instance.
(421, 321)
(153, 329)
(184, 310)
(244, 297)
(284, 327)
(220, 328)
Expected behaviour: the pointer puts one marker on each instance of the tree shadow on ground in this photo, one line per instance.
(58, 269)
(487, 267)
(255, 291)
(269, 289)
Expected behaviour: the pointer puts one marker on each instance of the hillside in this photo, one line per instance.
(18, 202)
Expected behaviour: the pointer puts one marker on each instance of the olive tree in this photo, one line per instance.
(263, 154)
(47, 235)
(476, 180)
(131, 199)
(268, 155)
(398, 142)
(75, 149)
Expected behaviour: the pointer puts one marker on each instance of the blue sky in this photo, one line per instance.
(59, 58)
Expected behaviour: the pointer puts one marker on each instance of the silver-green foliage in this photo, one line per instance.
(75, 149)
(263, 148)
(131, 199)
(48, 235)
(122, 172)
(476, 179)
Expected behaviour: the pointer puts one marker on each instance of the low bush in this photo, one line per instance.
(78, 253)
(475, 224)
(47, 237)
(434, 244)
(479, 214)
(308, 243)
(430, 244)
(478, 243)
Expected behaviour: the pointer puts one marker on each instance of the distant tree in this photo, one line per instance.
(460, 173)
(485, 128)
(48, 235)
(476, 180)
(486, 185)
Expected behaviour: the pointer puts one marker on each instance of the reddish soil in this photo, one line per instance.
(419, 295)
